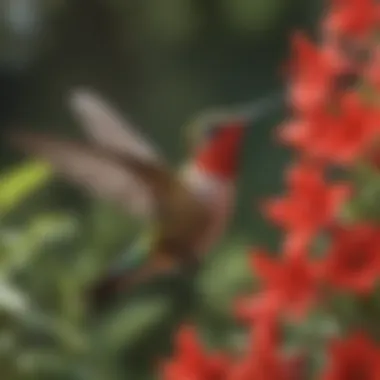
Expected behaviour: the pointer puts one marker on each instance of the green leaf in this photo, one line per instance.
(132, 321)
(12, 300)
(22, 246)
(227, 274)
(17, 184)
(51, 227)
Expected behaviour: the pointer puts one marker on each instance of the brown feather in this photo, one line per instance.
(180, 216)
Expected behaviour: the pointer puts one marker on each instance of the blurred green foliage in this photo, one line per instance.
(48, 261)
(15, 186)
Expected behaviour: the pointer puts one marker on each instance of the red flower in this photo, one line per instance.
(353, 261)
(301, 133)
(264, 360)
(352, 18)
(268, 368)
(262, 312)
(346, 56)
(355, 129)
(263, 308)
(341, 62)
(353, 359)
(291, 282)
(311, 76)
(310, 204)
(372, 71)
(190, 361)
(340, 138)
(259, 364)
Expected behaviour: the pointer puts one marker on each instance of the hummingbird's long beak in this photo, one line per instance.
(255, 110)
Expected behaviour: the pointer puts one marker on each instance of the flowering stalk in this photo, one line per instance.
(335, 124)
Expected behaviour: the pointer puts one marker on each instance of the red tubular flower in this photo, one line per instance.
(267, 367)
(310, 204)
(353, 260)
(262, 312)
(265, 361)
(346, 33)
(353, 358)
(190, 361)
(311, 76)
(355, 129)
(262, 359)
(346, 57)
(259, 364)
(352, 18)
(340, 138)
(262, 308)
(305, 134)
(372, 71)
(291, 282)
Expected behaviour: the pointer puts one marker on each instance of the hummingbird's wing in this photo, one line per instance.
(143, 189)
(92, 168)
(109, 129)
(178, 208)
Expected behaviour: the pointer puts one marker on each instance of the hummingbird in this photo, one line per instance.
(186, 210)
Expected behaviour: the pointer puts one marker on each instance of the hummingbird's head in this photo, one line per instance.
(219, 144)
(221, 134)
